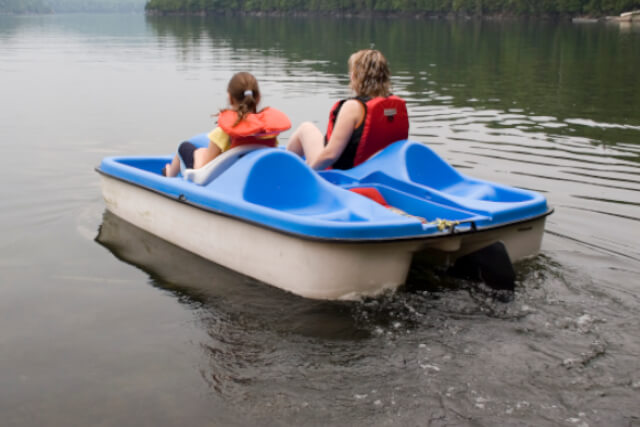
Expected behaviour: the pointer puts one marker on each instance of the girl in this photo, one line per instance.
(359, 126)
(239, 125)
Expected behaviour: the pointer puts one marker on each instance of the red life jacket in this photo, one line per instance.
(385, 121)
(255, 128)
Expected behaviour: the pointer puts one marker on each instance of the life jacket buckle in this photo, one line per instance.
(389, 113)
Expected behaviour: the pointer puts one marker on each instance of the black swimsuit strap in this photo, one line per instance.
(346, 159)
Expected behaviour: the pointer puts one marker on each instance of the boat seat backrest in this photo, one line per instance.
(281, 180)
(425, 167)
(221, 163)
(408, 161)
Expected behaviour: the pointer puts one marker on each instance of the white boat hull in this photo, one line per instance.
(319, 269)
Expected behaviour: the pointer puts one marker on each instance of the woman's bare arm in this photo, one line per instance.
(348, 118)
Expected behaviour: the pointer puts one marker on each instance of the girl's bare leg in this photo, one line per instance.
(204, 155)
(172, 169)
(306, 141)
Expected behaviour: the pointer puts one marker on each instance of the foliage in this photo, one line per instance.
(466, 7)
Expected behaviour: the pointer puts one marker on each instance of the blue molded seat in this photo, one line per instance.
(414, 168)
(282, 182)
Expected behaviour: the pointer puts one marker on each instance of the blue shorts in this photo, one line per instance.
(185, 153)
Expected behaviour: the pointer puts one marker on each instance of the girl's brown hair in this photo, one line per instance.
(245, 94)
(370, 74)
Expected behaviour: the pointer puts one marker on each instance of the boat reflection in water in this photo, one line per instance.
(224, 293)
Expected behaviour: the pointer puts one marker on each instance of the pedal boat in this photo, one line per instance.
(264, 213)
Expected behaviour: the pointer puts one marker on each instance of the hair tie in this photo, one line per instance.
(248, 92)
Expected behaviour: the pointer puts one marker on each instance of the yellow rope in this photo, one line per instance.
(443, 224)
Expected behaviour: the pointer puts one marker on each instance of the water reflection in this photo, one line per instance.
(537, 68)
(109, 26)
(229, 299)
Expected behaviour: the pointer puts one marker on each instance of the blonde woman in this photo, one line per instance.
(359, 126)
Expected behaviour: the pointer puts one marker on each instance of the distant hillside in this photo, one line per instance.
(62, 6)
(433, 7)
(24, 6)
(96, 5)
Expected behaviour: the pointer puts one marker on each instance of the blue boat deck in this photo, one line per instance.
(276, 189)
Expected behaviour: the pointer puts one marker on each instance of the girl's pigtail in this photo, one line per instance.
(245, 93)
(246, 106)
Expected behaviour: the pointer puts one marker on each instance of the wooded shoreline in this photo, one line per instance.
(420, 9)
(550, 9)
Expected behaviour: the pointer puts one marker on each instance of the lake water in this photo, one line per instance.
(103, 324)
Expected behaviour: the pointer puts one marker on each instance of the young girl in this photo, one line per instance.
(359, 126)
(239, 125)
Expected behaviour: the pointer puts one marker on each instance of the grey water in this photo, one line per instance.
(104, 324)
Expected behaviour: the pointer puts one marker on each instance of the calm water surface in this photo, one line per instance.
(103, 324)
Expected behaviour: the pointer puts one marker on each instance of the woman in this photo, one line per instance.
(360, 126)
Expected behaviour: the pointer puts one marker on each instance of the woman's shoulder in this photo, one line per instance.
(352, 107)
(354, 104)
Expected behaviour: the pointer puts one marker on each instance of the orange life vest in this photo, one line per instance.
(255, 128)
(385, 121)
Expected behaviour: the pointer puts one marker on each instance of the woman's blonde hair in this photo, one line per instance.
(370, 74)
(245, 93)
